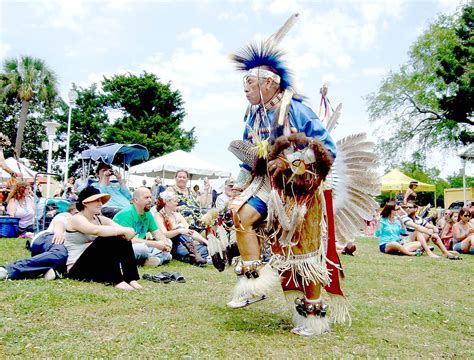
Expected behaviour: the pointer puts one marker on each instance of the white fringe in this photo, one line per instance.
(297, 218)
(219, 243)
(311, 267)
(268, 279)
(214, 245)
(276, 211)
(338, 309)
(316, 324)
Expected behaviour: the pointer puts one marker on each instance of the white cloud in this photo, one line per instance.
(233, 16)
(283, 6)
(374, 71)
(449, 6)
(4, 50)
(374, 11)
(200, 62)
(343, 61)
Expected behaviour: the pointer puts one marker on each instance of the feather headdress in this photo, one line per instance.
(264, 54)
(268, 54)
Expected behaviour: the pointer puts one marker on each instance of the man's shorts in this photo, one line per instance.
(258, 205)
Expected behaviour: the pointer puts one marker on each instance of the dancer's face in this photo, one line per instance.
(252, 90)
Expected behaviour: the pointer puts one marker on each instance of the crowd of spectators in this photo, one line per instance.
(402, 229)
(107, 231)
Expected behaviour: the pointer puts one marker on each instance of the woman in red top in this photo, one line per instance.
(447, 232)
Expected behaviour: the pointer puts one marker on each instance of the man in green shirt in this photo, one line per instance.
(149, 252)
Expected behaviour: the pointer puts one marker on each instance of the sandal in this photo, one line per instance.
(159, 278)
(451, 256)
(178, 277)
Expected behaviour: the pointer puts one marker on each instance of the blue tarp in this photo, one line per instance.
(117, 154)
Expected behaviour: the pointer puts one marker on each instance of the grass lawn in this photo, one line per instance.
(402, 308)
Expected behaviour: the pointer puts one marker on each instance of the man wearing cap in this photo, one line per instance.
(138, 216)
(222, 201)
(120, 196)
(156, 189)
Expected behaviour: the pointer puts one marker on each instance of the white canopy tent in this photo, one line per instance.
(166, 166)
(13, 164)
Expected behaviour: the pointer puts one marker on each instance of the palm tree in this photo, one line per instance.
(28, 79)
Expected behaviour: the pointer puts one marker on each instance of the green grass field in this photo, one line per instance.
(402, 308)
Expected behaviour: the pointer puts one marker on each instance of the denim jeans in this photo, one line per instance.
(45, 256)
(181, 251)
(143, 252)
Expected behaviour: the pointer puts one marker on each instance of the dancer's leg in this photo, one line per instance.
(247, 240)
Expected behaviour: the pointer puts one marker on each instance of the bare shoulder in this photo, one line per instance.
(106, 221)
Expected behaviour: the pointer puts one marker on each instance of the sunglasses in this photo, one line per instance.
(466, 215)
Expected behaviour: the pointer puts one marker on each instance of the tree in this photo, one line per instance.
(428, 103)
(34, 133)
(89, 123)
(31, 81)
(456, 68)
(456, 181)
(151, 113)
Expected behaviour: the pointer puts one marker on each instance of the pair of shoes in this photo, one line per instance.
(175, 276)
(152, 262)
(244, 300)
(50, 275)
(159, 278)
(3, 273)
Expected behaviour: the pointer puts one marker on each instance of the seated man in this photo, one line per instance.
(120, 196)
(222, 201)
(421, 230)
(47, 250)
(149, 252)
(156, 189)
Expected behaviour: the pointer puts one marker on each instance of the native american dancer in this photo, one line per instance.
(286, 156)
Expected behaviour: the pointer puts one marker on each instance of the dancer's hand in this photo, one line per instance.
(275, 166)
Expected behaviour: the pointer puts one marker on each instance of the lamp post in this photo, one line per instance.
(72, 96)
(51, 127)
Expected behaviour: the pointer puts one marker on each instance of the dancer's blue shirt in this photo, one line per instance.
(302, 119)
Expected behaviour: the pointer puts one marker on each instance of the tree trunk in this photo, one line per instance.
(21, 126)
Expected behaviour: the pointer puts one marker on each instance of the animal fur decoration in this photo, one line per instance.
(301, 175)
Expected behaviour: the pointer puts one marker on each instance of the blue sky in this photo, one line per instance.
(349, 44)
